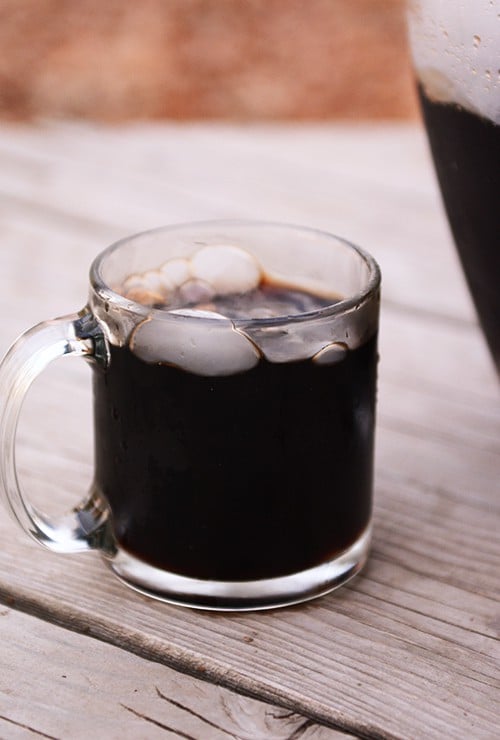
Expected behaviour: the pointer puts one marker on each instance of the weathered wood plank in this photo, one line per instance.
(429, 598)
(331, 177)
(366, 658)
(59, 684)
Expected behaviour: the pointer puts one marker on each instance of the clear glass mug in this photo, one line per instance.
(233, 436)
(456, 52)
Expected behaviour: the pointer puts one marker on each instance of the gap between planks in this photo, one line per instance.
(194, 669)
(121, 694)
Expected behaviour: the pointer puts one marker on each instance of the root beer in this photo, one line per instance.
(466, 151)
(233, 469)
(455, 52)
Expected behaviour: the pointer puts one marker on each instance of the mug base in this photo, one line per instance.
(241, 596)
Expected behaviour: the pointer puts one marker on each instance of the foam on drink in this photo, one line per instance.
(455, 48)
(210, 348)
(220, 284)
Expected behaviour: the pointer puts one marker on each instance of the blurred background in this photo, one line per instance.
(204, 59)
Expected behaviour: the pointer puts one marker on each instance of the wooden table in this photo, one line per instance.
(410, 648)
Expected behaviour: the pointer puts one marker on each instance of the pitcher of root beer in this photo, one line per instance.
(456, 51)
(234, 372)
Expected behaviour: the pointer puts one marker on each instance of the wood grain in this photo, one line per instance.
(410, 649)
(377, 190)
(82, 686)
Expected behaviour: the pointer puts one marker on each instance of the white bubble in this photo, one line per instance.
(330, 354)
(146, 288)
(132, 282)
(227, 268)
(453, 46)
(155, 284)
(175, 272)
(289, 344)
(209, 348)
(195, 291)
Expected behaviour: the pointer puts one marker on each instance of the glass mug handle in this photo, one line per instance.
(78, 335)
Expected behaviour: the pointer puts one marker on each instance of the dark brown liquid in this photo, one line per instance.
(466, 152)
(267, 300)
(250, 476)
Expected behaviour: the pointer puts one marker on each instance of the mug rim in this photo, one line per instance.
(342, 306)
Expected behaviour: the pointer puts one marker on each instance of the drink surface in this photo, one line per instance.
(466, 151)
(265, 301)
(253, 475)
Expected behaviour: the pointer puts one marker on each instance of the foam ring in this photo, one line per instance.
(208, 348)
